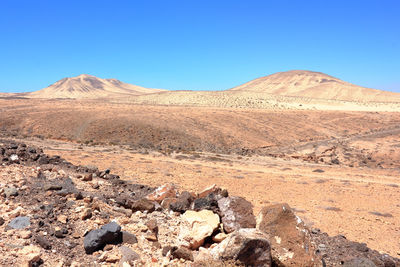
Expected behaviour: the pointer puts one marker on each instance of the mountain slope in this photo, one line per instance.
(314, 85)
(88, 86)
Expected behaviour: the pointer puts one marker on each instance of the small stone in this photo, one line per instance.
(87, 177)
(165, 250)
(43, 242)
(86, 214)
(62, 219)
(151, 237)
(219, 237)
(25, 234)
(128, 238)
(58, 232)
(19, 223)
(52, 187)
(152, 225)
(1, 221)
(182, 253)
(10, 192)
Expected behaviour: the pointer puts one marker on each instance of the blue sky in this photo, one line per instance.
(197, 45)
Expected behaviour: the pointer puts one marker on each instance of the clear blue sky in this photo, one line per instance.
(197, 45)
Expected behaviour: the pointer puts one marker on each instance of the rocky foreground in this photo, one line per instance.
(53, 213)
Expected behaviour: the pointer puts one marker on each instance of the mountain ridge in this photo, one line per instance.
(318, 85)
(87, 86)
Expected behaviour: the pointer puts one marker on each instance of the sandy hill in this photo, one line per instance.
(314, 85)
(88, 86)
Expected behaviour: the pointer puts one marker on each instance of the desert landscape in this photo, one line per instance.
(327, 148)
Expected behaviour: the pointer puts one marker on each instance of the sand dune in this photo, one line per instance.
(90, 87)
(314, 85)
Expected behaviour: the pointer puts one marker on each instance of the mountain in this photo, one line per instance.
(90, 87)
(311, 84)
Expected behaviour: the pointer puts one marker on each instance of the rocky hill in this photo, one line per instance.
(90, 87)
(56, 214)
(311, 84)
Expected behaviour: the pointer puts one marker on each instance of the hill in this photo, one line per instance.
(314, 85)
(87, 86)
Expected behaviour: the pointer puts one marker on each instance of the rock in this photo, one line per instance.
(1, 221)
(205, 192)
(166, 250)
(113, 256)
(152, 226)
(87, 177)
(14, 157)
(202, 224)
(43, 242)
(248, 246)
(290, 239)
(162, 192)
(25, 234)
(52, 187)
(209, 202)
(236, 213)
(128, 238)
(166, 203)
(62, 219)
(359, 262)
(86, 214)
(219, 237)
(128, 255)
(19, 223)
(59, 233)
(141, 205)
(10, 192)
(151, 237)
(182, 253)
(97, 239)
(183, 202)
(30, 256)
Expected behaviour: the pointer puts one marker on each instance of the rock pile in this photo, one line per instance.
(53, 213)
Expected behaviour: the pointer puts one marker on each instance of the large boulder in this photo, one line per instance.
(290, 239)
(97, 239)
(236, 213)
(197, 227)
(249, 246)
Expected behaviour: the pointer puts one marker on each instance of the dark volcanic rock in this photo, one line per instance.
(236, 213)
(183, 202)
(209, 202)
(19, 223)
(97, 239)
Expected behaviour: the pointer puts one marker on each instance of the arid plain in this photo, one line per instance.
(333, 157)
